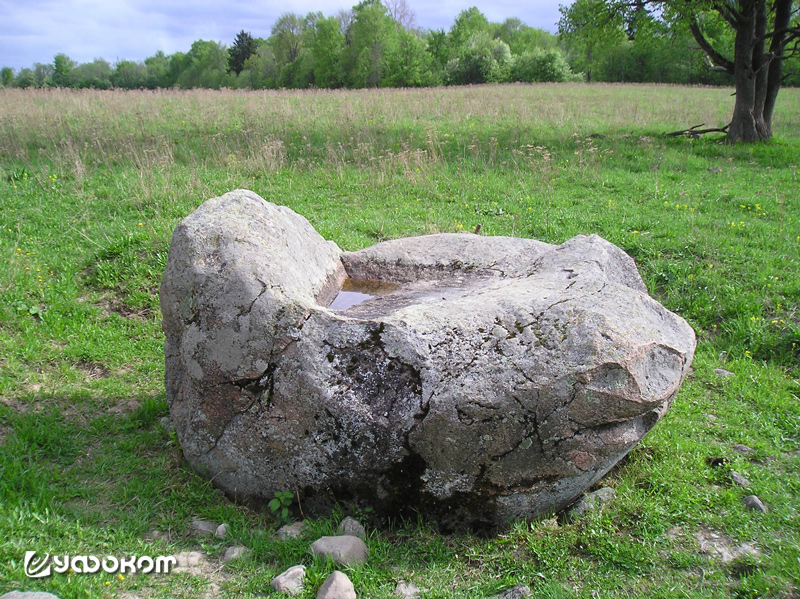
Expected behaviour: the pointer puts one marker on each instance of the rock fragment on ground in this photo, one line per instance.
(345, 550)
(754, 503)
(292, 531)
(337, 586)
(743, 449)
(290, 582)
(351, 526)
(235, 552)
(28, 595)
(221, 531)
(723, 373)
(740, 480)
(517, 592)
(204, 527)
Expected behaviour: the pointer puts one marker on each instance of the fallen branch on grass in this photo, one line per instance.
(695, 132)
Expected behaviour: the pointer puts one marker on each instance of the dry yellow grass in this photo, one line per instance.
(150, 127)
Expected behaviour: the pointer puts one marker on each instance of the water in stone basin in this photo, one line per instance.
(356, 291)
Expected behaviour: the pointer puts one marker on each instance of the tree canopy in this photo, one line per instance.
(749, 41)
(374, 44)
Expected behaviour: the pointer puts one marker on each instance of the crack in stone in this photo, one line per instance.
(256, 387)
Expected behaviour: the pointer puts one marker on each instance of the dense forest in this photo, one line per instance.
(377, 44)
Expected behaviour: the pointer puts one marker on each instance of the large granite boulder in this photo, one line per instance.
(484, 379)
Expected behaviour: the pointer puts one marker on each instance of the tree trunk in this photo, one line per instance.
(761, 71)
(743, 123)
(757, 72)
(783, 17)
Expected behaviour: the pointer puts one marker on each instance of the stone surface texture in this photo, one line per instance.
(517, 592)
(290, 582)
(204, 527)
(351, 526)
(754, 503)
(345, 550)
(499, 381)
(337, 586)
(221, 531)
(235, 552)
(294, 530)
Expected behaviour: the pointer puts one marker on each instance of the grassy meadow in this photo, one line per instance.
(92, 184)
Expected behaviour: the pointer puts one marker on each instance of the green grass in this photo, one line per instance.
(92, 185)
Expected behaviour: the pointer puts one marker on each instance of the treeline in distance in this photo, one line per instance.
(376, 44)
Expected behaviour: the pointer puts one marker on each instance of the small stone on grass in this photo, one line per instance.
(235, 552)
(743, 449)
(292, 531)
(204, 527)
(517, 592)
(337, 586)
(754, 503)
(738, 479)
(344, 550)
(290, 581)
(352, 527)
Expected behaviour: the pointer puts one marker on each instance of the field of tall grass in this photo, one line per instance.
(92, 184)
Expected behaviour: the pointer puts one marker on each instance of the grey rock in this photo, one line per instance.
(204, 527)
(517, 592)
(235, 552)
(290, 582)
(222, 531)
(742, 449)
(739, 479)
(723, 373)
(345, 550)
(754, 503)
(292, 531)
(337, 586)
(351, 526)
(407, 590)
(591, 501)
(28, 595)
(479, 362)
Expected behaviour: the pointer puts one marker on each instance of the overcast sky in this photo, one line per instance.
(36, 30)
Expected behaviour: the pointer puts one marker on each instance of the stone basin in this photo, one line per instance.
(484, 379)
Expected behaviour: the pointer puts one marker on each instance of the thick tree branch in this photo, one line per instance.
(718, 59)
(728, 13)
(790, 33)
